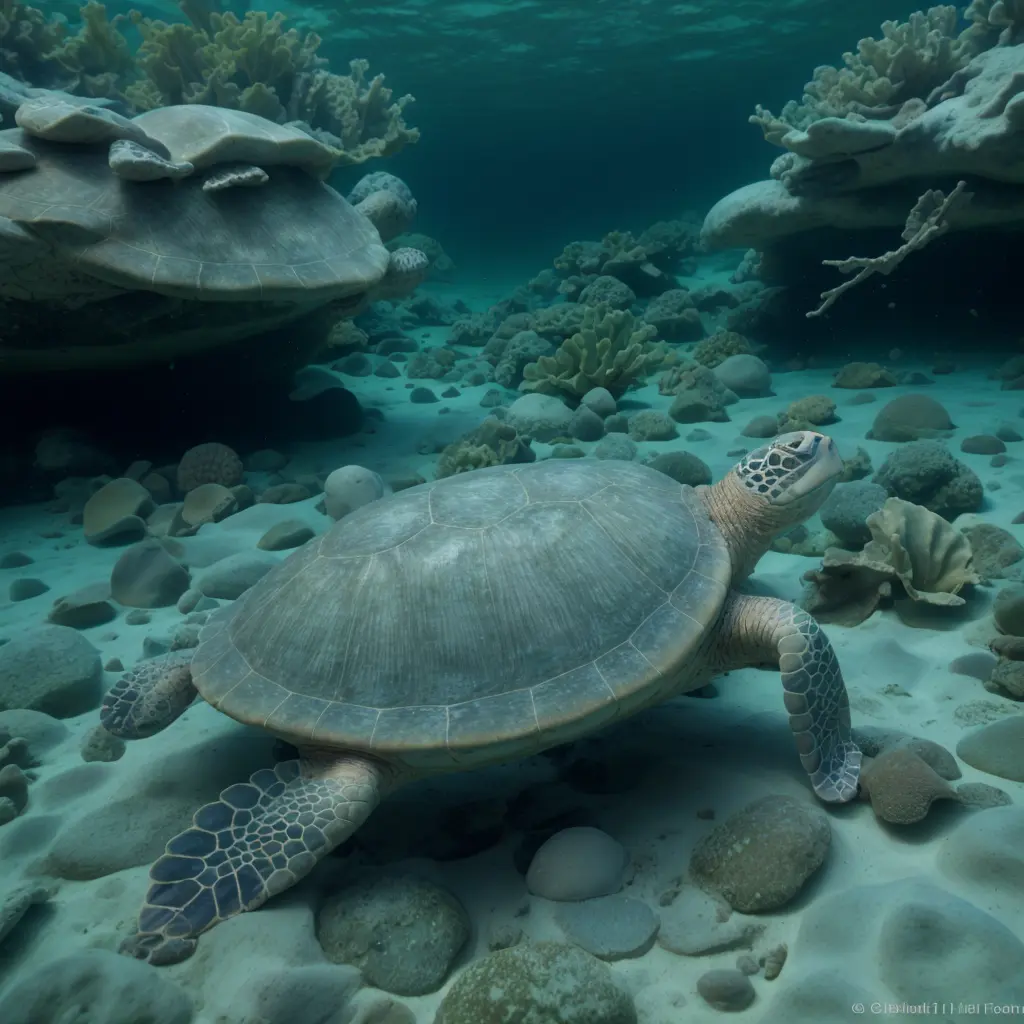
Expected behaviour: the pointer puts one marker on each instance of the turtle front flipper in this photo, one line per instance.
(757, 629)
(257, 840)
(148, 697)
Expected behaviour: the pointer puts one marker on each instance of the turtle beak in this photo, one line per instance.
(822, 467)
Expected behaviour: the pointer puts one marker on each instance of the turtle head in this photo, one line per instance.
(793, 473)
(775, 487)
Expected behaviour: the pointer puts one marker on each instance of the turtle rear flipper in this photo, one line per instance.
(257, 840)
(148, 697)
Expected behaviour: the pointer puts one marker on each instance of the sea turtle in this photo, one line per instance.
(475, 620)
(104, 211)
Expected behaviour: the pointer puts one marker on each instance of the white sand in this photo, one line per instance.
(718, 753)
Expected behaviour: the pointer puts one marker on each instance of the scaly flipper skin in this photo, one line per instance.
(758, 629)
(148, 697)
(257, 840)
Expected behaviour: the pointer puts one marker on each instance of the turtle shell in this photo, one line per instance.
(479, 618)
(294, 239)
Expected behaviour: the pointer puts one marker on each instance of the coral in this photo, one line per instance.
(493, 443)
(610, 350)
(995, 22)
(700, 395)
(808, 413)
(910, 546)
(909, 61)
(97, 61)
(719, 346)
(674, 316)
(210, 463)
(27, 41)
(925, 473)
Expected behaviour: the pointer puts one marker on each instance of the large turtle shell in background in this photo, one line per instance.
(293, 239)
(478, 618)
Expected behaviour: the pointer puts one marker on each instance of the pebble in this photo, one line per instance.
(577, 864)
(610, 927)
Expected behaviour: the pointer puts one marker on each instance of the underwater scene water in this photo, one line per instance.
(511, 512)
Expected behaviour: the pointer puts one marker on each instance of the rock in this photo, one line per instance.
(95, 987)
(231, 577)
(601, 401)
(696, 923)
(577, 864)
(651, 425)
(291, 533)
(746, 375)
(285, 494)
(925, 473)
(116, 512)
(759, 858)
(536, 983)
(207, 503)
(100, 745)
(14, 787)
(41, 732)
(15, 560)
(542, 417)
(980, 796)
(24, 588)
(846, 509)
(996, 748)
(1008, 610)
(911, 418)
(726, 989)
(982, 444)
(902, 787)
(52, 669)
(422, 396)
(352, 487)
(994, 550)
(761, 426)
(84, 608)
(586, 425)
(683, 467)
(616, 446)
(403, 933)
(147, 576)
(609, 927)
(310, 994)
(856, 376)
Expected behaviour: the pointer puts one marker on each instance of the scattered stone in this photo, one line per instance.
(24, 588)
(100, 745)
(1008, 432)
(911, 418)
(422, 396)
(147, 576)
(774, 960)
(284, 494)
(542, 417)
(761, 426)
(1008, 610)
(697, 923)
(759, 858)
(537, 983)
(847, 508)
(993, 549)
(403, 933)
(651, 425)
(84, 608)
(996, 748)
(601, 401)
(616, 446)
(610, 927)
(982, 444)
(52, 669)
(980, 796)
(902, 788)
(14, 787)
(586, 425)
(577, 864)
(726, 989)
(116, 512)
(745, 375)
(352, 487)
(137, 617)
(231, 577)
(683, 467)
(291, 533)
